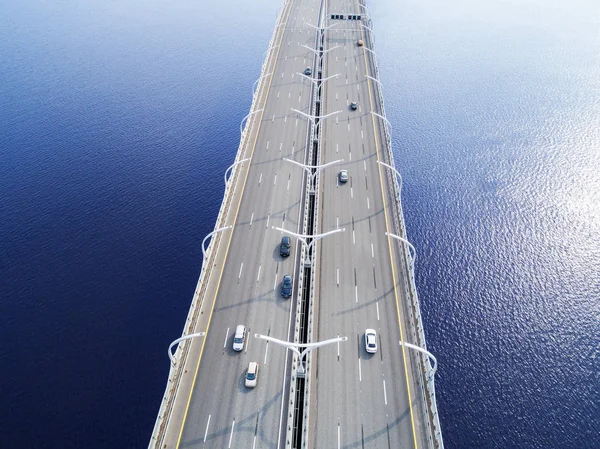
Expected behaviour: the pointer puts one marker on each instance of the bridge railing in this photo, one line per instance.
(426, 377)
(182, 350)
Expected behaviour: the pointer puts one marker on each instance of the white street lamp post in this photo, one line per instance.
(210, 235)
(303, 239)
(424, 351)
(414, 254)
(244, 119)
(312, 118)
(187, 337)
(315, 81)
(231, 167)
(295, 347)
(395, 171)
(259, 78)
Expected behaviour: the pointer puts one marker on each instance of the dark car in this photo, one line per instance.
(286, 286)
(307, 71)
(353, 105)
(284, 246)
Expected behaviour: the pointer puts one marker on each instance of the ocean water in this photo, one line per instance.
(118, 119)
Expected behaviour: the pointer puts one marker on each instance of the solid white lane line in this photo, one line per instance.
(226, 335)
(290, 95)
(362, 134)
(296, 122)
(280, 146)
(339, 437)
(384, 393)
(336, 120)
(206, 431)
(254, 443)
(368, 203)
(351, 192)
(353, 237)
(273, 118)
(288, 186)
(266, 352)
(338, 277)
(365, 165)
(350, 156)
(356, 292)
(268, 218)
(268, 144)
(282, 75)
(285, 119)
(241, 268)
(337, 222)
(277, 94)
(337, 148)
(358, 87)
(275, 283)
(231, 436)
(377, 305)
(251, 219)
(258, 277)
(348, 126)
(275, 179)
(359, 371)
(372, 251)
(260, 179)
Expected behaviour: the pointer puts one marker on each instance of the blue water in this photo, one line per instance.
(118, 119)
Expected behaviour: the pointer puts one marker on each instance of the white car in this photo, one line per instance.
(239, 338)
(251, 375)
(371, 341)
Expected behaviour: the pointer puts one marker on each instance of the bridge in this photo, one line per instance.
(317, 109)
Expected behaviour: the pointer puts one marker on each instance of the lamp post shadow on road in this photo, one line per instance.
(295, 347)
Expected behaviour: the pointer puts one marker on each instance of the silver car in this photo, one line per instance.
(251, 375)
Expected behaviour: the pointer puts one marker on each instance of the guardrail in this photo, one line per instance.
(181, 353)
(426, 378)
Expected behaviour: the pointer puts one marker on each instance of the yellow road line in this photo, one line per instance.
(228, 243)
(387, 228)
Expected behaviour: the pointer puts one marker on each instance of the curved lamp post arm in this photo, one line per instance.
(210, 235)
(175, 342)
(424, 351)
(300, 237)
(320, 28)
(414, 255)
(395, 171)
(244, 119)
(364, 26)
(386, 121)
(231, 167)
(320, 236)
(259, 78)
(376, 80)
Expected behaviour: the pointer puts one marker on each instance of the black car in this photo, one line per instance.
(286, 286)
(284, 246)
(353, 106)
(307, 71)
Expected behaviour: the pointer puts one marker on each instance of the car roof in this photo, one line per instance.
(285, 238)
(252, 366)
(240, 328)
(370, 331)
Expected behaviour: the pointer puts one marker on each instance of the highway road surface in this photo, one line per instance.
(221, 412)
(360, 400)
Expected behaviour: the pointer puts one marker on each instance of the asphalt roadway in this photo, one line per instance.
(222, 412)
(360, 400)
